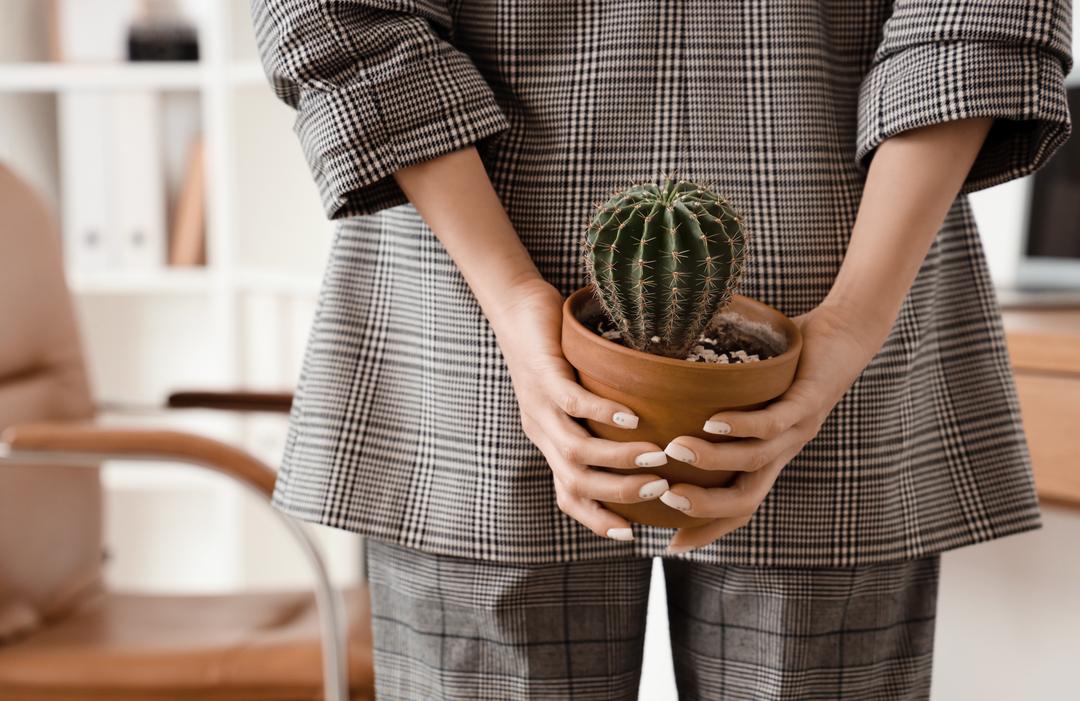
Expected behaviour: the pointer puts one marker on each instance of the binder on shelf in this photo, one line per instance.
(137, 185)
(187, 245)
(113, 181)
(83, 119)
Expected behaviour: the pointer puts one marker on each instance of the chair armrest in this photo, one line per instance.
(278, 402)
(86, 443)
(91, 441)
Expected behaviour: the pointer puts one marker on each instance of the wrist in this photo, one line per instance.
(866, 324)
(523, 291)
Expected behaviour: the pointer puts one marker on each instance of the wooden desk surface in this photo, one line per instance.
(1044, 346)
(1044, 340)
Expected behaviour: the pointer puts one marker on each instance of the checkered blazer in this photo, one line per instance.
(405, 425)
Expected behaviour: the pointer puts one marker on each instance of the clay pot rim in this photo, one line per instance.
(790, 330)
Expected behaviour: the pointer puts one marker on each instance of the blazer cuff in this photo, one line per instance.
(1022, 87)
(354, 137)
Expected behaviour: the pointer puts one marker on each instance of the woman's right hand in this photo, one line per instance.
(454, 195)
(528, 327)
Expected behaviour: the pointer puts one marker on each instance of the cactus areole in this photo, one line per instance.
(663, 258)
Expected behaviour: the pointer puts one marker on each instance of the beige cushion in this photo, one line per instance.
(51, 548)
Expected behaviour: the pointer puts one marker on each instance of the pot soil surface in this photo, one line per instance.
(730, 338)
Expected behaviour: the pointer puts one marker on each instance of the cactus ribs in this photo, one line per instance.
(664, 258)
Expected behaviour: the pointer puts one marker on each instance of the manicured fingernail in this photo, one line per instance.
(676, 549)
(624, 419)
(651, 490)
(675, 501)
(653, 459)
(620, 533)
(680, 452)
(720, 427)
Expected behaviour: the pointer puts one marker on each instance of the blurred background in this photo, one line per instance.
(194, 243)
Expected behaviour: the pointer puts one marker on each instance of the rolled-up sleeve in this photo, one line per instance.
(942, 60)
(377, 86)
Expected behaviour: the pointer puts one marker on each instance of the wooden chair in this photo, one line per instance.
(64, 635)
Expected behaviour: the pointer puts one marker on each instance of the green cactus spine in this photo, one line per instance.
(664, 258)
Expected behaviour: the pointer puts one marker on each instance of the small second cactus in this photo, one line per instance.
(664, 257)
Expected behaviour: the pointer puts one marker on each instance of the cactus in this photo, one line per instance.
(664, 258)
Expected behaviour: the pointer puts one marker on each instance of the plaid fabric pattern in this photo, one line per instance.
(455, 628)
(405, 425)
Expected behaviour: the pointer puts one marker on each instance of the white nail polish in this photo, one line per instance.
(620, 533)
(651, 490)
(675, 501)
(720, 427)
(653, 459)
(680, 452)
(624, 419)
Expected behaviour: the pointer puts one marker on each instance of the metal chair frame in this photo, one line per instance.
(328, 600)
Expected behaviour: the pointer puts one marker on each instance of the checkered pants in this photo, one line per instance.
(456, 628)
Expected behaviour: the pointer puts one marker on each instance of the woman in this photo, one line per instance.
(462, 146)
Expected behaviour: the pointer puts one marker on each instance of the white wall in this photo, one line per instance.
(1009, 616)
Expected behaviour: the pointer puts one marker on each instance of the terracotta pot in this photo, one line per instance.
(672, 397)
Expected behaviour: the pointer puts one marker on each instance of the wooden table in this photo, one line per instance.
(1044, 346)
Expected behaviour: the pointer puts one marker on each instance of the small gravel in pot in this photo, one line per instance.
(725, 342)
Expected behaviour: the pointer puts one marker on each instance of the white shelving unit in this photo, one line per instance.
(51, 77)
(239, 321)
(46, 77)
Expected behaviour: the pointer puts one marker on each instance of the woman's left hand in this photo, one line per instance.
(836, 348)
